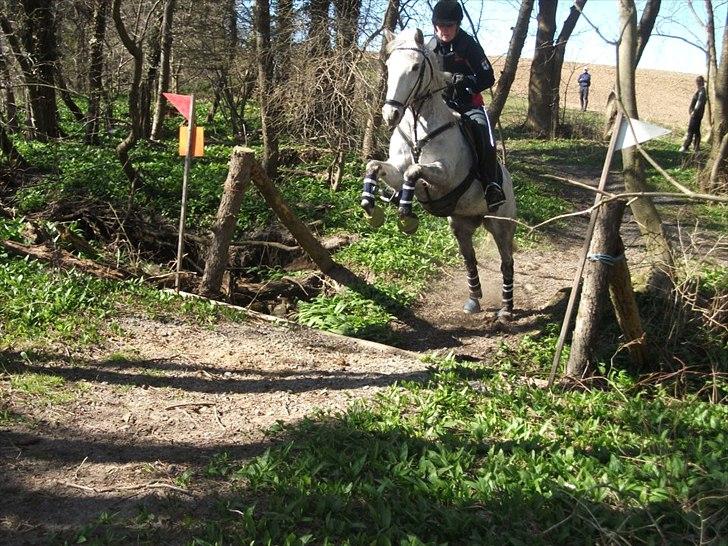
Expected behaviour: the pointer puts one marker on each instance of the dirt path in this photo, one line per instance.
(165, 398)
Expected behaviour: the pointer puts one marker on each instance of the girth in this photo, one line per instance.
(445, 205)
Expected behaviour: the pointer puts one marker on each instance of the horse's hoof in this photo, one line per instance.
(408, 224)
(375, 217)
(505, 315)
(472, 306)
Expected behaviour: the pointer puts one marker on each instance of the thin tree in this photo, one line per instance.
(268, 114)
(135, 128)
(644, 210)
(33, 47)
(95, 71)
(540, 86)
(557, 61)
(548, 60)
(644, 31)
(508, 75)
(11, 108)
(374, 119)
(164, 68)
(714, 175)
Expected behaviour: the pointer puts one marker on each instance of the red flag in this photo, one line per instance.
(180, 102)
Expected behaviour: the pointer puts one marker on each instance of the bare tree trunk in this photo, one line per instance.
(95, 72)
(720, 166)
(644, 30)
(237, 181)
(625, 307)
(66, 95)
(648, 219)
(164, 69)
(557, 61)
(347, 18)
(540, 86)
(508, 75)
(122, 150)
(9, 150)
(6, 83)
(35, 58)
(714, 175)
(150, 83)
(268, 116)
(582, 358)
(318, 32)
(374, 120)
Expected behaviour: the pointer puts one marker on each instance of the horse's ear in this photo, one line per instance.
(388, 35)
(419, 38)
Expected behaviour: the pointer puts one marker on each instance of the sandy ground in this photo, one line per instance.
(662, 97)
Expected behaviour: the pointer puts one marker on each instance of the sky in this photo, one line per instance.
(588, 47)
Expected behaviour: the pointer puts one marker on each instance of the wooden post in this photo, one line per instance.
(585, 250)
(238, 179)
(183, 210)
(298, 229)
(625, 308)
(594, 294)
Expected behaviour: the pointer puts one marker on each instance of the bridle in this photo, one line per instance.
(426, 62)
(415, 104)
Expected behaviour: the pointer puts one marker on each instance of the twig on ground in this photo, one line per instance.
(188, 404)
(79, 466)
(217, 418)
(148, 485)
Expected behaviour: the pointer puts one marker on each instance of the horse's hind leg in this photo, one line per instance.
(463, 228)
(503, 232)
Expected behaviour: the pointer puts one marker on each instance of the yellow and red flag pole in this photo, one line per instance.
(185, 177)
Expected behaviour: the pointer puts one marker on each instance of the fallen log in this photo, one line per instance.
(65, 260)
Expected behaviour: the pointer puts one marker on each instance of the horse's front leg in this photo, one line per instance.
(463, 228)
(390, 175)
(430, 173)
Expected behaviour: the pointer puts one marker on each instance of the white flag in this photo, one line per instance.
(637, 133)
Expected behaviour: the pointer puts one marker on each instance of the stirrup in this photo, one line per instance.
(494, 196)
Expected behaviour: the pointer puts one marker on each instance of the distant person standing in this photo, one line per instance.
(697, 109)
(584, 83)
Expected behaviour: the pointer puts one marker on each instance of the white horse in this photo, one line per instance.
(430, 159)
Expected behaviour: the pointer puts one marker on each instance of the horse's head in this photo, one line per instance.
(412, 73)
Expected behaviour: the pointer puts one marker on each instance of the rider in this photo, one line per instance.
(472, 73)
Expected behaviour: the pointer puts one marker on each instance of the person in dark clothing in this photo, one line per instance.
(472, 73)
(697, 109)
(584, 83)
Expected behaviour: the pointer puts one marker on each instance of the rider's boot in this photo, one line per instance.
(491, 172)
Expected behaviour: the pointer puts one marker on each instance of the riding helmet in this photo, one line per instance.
(447, 12)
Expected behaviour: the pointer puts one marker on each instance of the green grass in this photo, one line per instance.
(39, 304)
(477, 456)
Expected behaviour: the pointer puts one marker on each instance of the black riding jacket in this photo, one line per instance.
(463, 55)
